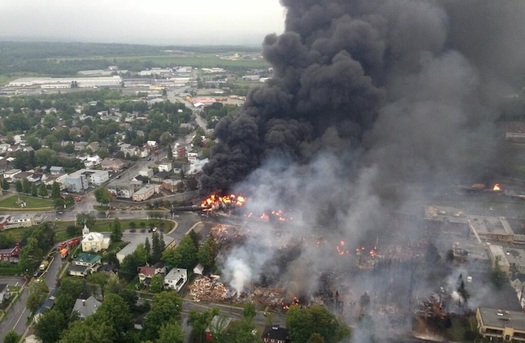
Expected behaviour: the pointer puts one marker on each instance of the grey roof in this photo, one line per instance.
(86, 307)
(78, 268)
(2, 287)
(500, 318)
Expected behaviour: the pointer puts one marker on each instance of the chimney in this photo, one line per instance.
(83, 303)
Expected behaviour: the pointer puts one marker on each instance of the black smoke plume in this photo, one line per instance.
(373, 104)
(394, 75)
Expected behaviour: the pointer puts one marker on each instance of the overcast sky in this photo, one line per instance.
(141, 21)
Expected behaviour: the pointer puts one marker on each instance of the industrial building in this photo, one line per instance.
(67, 82)
(508, 326)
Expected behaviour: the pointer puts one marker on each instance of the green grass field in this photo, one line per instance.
(31, 203)
(100, 226)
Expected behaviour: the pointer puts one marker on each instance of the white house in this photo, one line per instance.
(165, 165)
(94, 241)
(176, 279)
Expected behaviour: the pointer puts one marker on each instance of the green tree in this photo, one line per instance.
(116, 231)
(157, 246)
(249, 311)
(239, 331)
(183, 256)
(42, 191)
(55, 191)
(59, 203)
(128, 267)
(207, 253)
(84, 332)
(200, 322)
(315, 338)
(85, 219)
(102, 195)
(165, 307)
(170, 332)
(38, 291)
(157, 284)
(19, 186)
(50, 325)
(30, 256)
(302, 323)
(12, 337)
(115, 312)
(73, 231)
(147, 247)
(5, 184)
(34, 190)
(26, 185)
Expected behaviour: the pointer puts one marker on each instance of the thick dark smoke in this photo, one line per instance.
(372, 104)
(375, 73)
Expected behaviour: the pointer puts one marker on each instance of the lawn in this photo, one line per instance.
(31, 203)
(100, 226)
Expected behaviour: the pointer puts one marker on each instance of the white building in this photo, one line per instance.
(94, 241)
(176, 279)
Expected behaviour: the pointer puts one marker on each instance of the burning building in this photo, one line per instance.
(372, 106)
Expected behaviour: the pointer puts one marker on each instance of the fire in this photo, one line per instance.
(215, 201)
(341, 249)
(496, 187)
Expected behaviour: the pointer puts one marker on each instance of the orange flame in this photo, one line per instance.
(496, 187)
(215, 200)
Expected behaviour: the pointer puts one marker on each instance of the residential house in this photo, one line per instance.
(113, 164)
(128, 149)
(10, 174)
(176, 279)
(4, 293)
(160, 176)
(146, 172)
(93, 146)
(84, 264)
(92, 161)
(86, 307)
(54, 170)
(76, 182)
(4, 148)
(165, 165)
(181, 152)
(35, 177)
(98, 177)
(275, 334)
(171, 185)
(10, 254)
(147, 273)
(81, 146)
(94, 241)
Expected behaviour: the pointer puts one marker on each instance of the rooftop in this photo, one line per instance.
(501, 318)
